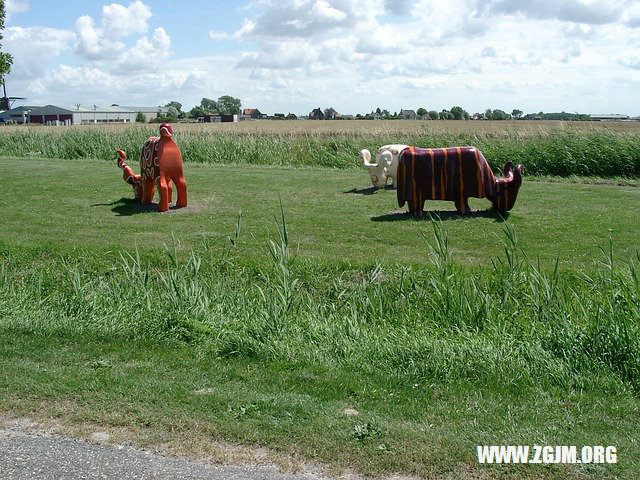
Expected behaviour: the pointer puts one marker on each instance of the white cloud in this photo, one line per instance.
(145, 54)
(580, 11)
(105, 42)
(215, 35)
(396, 7)
(308, 18)
(33, 48)
(631, 61)
(118, 20)
(14, 6)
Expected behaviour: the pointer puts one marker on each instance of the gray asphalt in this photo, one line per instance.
(40, 455)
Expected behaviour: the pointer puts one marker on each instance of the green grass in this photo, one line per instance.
(80, 204)
(429, 428)
(444, 335)
(559, 151)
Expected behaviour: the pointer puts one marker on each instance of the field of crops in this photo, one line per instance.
(290, 293)
(544, 148)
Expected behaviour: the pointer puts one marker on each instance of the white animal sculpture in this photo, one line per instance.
(386, 165)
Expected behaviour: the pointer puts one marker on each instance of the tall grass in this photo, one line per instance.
(558, 152)
(514, 323)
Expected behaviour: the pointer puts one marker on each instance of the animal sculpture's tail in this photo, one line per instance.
(128, 174)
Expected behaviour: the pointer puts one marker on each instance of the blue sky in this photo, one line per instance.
(353, 55)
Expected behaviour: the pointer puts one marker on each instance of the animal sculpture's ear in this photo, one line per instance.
(517, 172)
(507, 168)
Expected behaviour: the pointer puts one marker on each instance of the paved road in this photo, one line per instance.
(34, 455)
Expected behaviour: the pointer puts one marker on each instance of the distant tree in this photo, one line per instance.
(385, 113)
(172, 113)
(6, 60)
(433, 115)
(197, 111)
(140, 118)
(228, 105)
(209, 106)
(359, 115)
(459, 113)
(446, 115)
(488, 114)
(279, 115)
(395, 114)
(421, 112)
(378, 111)
(498, 114)
(517, 114)
(174, 104)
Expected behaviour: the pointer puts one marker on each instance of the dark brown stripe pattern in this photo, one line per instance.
(453, 174)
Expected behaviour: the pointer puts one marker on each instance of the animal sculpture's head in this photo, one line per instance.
(507, 188)
(378, 172)
(166, 130)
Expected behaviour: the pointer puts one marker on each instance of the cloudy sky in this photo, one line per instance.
(354, 55)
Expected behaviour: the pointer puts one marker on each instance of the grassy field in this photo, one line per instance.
(264, 328)
(331, 214)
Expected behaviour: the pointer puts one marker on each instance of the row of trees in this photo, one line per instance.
(459, 113)
(227, 104)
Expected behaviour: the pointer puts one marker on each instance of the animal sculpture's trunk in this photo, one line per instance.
(365, 158)
(128, 175)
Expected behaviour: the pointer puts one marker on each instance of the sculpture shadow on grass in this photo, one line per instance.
(126, 207)
(369, 190)
(442, 215)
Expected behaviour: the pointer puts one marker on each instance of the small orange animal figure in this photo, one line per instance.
(160, 164)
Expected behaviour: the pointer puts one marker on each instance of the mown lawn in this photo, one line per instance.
(440, 336)
(331, 214)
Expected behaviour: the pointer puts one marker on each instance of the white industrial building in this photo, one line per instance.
(78, 114)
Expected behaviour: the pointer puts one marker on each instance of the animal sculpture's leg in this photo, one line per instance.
(181, 186)
(169, 190)
(463, 207)
(163, 189)
(394, 182)
(148, 190)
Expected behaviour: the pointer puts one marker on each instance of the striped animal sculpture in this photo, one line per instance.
(386, 165)
(160, 164)
(453, 174)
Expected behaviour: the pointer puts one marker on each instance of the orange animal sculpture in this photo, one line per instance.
(160, 164)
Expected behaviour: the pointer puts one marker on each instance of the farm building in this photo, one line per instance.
(316, 114)
(613, 117)
(254, 113)
(18, 114)
(331, 114)
(224, 118)
(291, 116)
(148, 112)
(77, 114)
(407, 115)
